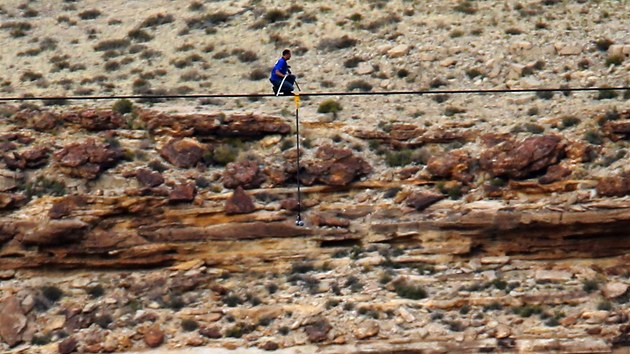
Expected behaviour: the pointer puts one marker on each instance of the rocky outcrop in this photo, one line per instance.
(454, 165)
(86, 159)
(421, 200)
(220, 124)
(521, 159)
(183, 153)
(31, 158)
(336, 167)
(614, 186)
(12, 321)
(246, 174)
(95, 120)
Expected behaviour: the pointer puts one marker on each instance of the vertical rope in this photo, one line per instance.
(299, 221)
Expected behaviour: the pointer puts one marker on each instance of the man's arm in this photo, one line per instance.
(279, 73)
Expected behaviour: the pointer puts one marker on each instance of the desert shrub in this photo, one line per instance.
(614, 60)
(331, 44)
(604, 306)
(541, 25)
(189, 325)
(437, 82)
(31, 76)
(225, 153)
(398, 158)
(196, 6)
(95, 291)
(410, 291)
(302, 267)
(44, 186)
(275, 15)
(360, 85)
(466, 6)
(17, 29)
(375, 25)
(545, 95)
(112, 44)
(456, 33)
(89, 14)
(52, 293)
(451, 111)
(513, 31)
(494, 306)
(245, 56)
(157, 20)
(594, 137)
(139, 35)
(208, 21)
(569, 121)
(353, 62)
(42, 339)
(232, 300)
(606, 94)
(112, 65)
(402, 73)
(258, 74)
(534, 128)
(603, 44)
(123, 106)
(590, 285)
(473, 73)
(158, 166)
(329, 106)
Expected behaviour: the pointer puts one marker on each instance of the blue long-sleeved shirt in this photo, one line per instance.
(282, 66)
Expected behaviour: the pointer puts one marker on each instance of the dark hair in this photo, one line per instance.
(285, 52)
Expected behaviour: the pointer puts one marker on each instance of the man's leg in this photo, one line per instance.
(287, 87)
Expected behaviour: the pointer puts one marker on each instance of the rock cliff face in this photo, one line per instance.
(211, 195)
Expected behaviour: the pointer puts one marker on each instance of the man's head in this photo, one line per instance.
(286, 54)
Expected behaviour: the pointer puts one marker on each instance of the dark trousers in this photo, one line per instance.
(287, 86)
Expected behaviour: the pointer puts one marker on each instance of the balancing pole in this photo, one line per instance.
(298, 221)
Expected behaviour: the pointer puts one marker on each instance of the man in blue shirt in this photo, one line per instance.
(278, 73)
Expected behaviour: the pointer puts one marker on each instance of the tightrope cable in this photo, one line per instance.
(312, 94)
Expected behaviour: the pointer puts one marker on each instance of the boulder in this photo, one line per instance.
(183, 153)
(336, 167)
(398, 51)
(12, 321)
(326, 219)
(614, 186)
(555, 173)
(614, 289)
(239, 203)
(246, 174)
(149, 178)
(52, 232)
(422, 199)
(68, 345)
(87, 159)
(65, 206)
(39, 120)
(183, 192)
(318, 331)
(524, 158)
(456, 165)
(154, 336)
(366, 330)
(32, 158)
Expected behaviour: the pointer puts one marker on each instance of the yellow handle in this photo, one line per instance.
(296, 98)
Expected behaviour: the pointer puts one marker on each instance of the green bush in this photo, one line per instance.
(594, 137)
(606, 94)
(360, 85)
(189, 325)
(603, 44)
(409, 291)
(331, 44)
(52, 293)
(226, 153)
(466, 7)
(95, 291)
(89, 14)
(398, 158)
(614, 60)
(570, 121)
(123, 106)
(329, 106)
(590, 285)
(43, 186)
